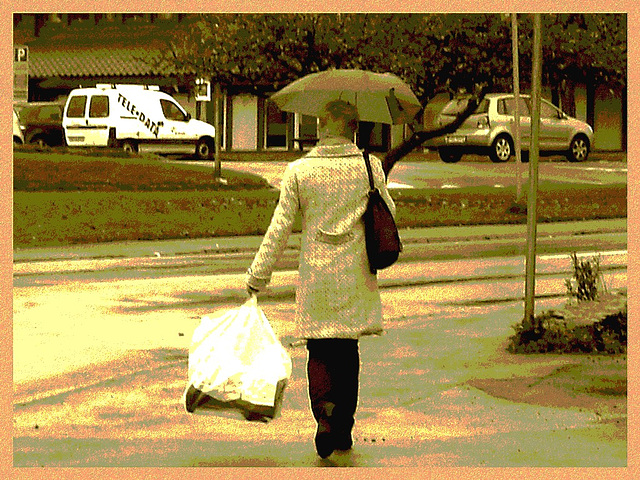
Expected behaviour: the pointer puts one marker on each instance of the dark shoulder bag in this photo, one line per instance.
(383, 241)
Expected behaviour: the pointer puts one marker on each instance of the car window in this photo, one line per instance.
(172, 111)
(507, 106)
(548, 111)
(99, 106)
(29, 115)
(76, 106)
(457, 106)
(483, 107)
(50, 113)
(454, 107)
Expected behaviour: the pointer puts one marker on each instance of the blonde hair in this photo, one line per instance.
(340, 110)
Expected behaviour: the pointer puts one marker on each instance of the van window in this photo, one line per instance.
(99, 106)
(76, 106)
(172, 111)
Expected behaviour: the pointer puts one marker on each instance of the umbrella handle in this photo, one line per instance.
(393, 104)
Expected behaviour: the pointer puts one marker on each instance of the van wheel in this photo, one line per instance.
(204, 148)
(130, 146)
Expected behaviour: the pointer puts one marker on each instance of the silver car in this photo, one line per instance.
(490, 130)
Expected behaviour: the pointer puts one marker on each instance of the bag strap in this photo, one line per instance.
(365, 154)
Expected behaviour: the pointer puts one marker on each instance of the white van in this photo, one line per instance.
(134, 118)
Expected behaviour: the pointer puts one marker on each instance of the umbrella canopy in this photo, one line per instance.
(379, 97)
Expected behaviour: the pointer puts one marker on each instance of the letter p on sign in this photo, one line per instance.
(21, 54)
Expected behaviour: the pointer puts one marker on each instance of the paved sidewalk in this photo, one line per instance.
(432, 235)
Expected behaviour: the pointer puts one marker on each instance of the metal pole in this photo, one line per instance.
(536, 87)
(516, 94)
(217, 95)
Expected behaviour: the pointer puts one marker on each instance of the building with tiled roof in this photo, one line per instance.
(90, 62)
(89, 49)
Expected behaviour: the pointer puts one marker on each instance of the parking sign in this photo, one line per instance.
(20, 73)
(21, 54)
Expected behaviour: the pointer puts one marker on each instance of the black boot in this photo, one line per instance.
(324, 439)
(343, 441)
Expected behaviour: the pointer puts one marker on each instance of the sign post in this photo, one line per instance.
(217, 95)
(21, 73)
(534, 154)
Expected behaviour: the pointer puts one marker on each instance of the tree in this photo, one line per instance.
(431, 52)
(578, 48)
(263, 52)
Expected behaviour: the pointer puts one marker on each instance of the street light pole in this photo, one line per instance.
(534, 154)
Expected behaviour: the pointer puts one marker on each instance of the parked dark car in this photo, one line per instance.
(42, 123)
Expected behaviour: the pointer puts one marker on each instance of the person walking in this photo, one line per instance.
(337, 298)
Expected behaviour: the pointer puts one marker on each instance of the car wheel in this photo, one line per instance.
(17, 140)
(39, 142)
(449, 155)
(578, 149)
(204, 148)
(501, 149)
(130, 146)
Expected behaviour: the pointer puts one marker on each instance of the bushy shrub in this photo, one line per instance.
(586, 276)
(551, 331)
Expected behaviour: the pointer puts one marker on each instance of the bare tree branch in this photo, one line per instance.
(420, 135)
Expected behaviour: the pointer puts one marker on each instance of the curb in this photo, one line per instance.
(250, 244)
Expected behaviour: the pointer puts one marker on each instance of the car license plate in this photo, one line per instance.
(456, 140)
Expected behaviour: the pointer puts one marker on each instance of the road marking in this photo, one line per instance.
(583, 254)
(598, 169)
(398, 185)
(590, 182)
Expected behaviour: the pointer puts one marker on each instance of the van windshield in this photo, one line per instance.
(76, 106)
(172, 111)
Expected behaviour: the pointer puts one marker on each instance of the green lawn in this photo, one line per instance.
(65, 198)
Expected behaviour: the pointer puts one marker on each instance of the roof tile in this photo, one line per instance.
(84, 62)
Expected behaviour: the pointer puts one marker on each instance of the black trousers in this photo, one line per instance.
(333, 367)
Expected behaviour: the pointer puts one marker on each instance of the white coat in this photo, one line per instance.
(337, 295)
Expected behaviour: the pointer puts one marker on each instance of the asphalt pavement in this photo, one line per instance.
(99, 366)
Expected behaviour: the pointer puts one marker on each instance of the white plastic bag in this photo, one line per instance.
(237, 363)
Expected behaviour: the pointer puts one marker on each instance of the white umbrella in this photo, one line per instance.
(379, 97)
